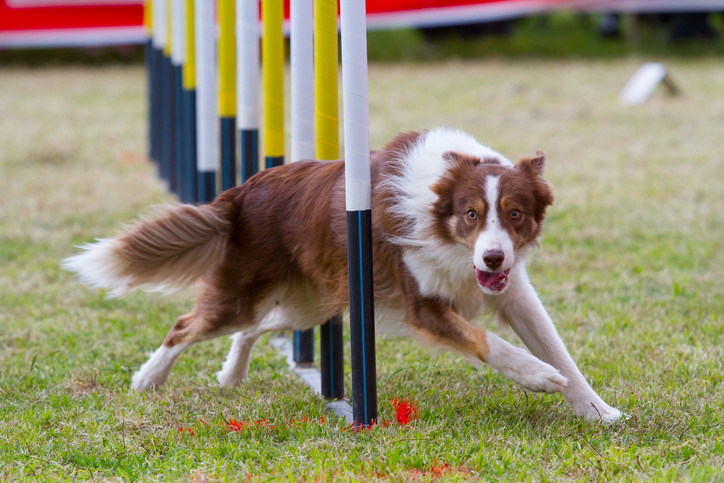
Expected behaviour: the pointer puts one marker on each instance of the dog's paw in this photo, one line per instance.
(542, 377)
(600, 411)
(143, 381)
(229, 378)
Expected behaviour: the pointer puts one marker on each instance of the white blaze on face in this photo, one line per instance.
(493, 236)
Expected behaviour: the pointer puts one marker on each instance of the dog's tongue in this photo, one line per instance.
(492, 280)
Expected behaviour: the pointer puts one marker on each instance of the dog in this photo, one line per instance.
(452, 224)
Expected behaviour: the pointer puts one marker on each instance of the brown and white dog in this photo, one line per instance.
(452, 223)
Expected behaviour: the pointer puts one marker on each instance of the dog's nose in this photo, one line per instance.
(493, 258)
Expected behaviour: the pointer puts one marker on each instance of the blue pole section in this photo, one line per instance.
(331, 356)
(249, 144)
(303, 341)
(228, 152)
(148, 56)
(180, 119)
(189, 138)
(273, 161)
(166, 89)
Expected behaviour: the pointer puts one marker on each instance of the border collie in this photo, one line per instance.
(452, 224)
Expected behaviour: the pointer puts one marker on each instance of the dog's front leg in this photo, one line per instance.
(521, 307)
(436, 323)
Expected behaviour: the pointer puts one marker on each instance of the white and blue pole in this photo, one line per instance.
(359, 210)
(303, 141)
(207, 124)
(247, 82)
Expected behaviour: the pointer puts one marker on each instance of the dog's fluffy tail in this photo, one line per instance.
(163, 253)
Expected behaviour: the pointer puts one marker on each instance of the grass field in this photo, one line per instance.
(630, 268)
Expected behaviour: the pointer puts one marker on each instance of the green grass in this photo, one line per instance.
(630, 268)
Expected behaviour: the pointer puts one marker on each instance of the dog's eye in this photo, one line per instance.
(472, 215)
(515, 214)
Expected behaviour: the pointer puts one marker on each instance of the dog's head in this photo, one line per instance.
(493, 209)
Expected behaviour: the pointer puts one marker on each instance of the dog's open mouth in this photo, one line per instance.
(493, 281)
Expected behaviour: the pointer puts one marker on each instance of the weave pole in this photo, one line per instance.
(272, 51)
(160, 25)
(359, 210)
(247, 85)
(326, 69)
(155, 91)
(302, 86)
(169, 89)
(207, 124)
(227, 93)
(178, 51)
(149, 61)
(190, 188)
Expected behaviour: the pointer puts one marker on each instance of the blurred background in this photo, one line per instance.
(57, 31)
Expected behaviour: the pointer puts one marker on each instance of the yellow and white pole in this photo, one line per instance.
(272, 51)
(326, 69)
(190, 191)
(150, 58)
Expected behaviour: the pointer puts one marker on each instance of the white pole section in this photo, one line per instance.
(206, 99)
(356, 105)
(159, 24)
(247, 64)
(302, 67)
(178, 42)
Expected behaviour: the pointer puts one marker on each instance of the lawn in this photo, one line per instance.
(630, 268)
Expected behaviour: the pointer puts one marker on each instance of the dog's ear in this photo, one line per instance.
(457, 158)
(535, 164)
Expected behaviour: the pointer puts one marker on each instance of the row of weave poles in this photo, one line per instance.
(204, 68)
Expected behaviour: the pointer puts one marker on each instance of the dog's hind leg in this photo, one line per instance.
(236, 366)
(438, 324)
(213, 316)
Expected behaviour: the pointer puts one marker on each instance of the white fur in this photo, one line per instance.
(521, 307)
(443, 271)
(99, 266)
(519, 366)
(284, 309)
(493, 236)
(154, 372)
(235, 369)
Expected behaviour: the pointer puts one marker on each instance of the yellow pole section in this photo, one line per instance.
(148, 16)
(325, 79)
(227, 59)
(189, 68)
(272, 55)
(167, 46)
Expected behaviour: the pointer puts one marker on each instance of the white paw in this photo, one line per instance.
(143, 380)
(600, 411)
(532, 373)
(229, 378)
(154, 372)
(523, 368)
(541, 377)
